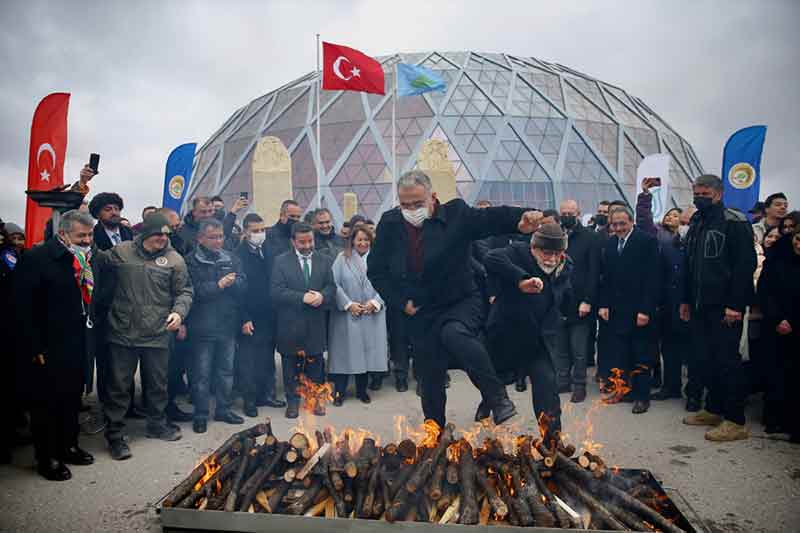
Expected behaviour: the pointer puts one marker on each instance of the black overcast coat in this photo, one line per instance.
(630, 283)
(447, 236)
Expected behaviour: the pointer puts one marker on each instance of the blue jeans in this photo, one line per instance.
(313, 366)
(211, 359)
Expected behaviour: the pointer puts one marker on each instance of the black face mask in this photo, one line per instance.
(703, 203)
(601, 220)
(569, 221)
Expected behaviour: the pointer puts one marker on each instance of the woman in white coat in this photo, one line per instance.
(357, 333)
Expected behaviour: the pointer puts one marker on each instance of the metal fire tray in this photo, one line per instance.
(175, 520)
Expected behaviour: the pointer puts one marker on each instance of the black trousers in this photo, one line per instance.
(399, 343)
(448, 337)
(632, 352)
(340, 383)
(311, 365)
(179, 354)
(55, 404)
(674, 340)
(716, 348)
(781, 402)
(257, 362)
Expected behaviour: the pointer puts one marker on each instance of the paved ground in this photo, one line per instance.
(746, 486)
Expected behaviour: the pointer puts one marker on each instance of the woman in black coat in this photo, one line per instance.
(779, 295)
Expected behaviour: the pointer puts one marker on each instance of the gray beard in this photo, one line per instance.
(546, 269)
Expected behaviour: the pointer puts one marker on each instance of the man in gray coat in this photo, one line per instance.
(152, 295)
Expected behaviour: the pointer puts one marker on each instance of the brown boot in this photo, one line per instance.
(727, 432)
(703, 418)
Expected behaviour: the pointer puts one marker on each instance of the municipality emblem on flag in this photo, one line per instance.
(741, 175)
(176, 185)
(413, 80)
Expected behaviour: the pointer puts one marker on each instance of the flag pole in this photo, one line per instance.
(395, 177)
(320, 170)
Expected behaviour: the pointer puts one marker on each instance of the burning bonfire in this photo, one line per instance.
(428, 474)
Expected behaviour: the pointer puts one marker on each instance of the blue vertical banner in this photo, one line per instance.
(178, 175)
(741, 167)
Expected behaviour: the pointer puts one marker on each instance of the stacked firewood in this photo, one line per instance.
(441, 479)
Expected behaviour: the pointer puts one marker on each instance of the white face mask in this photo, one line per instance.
(258, 238)
(415, 217)
(81, 249)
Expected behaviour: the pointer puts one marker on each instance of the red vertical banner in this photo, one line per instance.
(46, 159)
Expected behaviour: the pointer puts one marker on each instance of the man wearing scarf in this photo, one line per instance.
(53, 290)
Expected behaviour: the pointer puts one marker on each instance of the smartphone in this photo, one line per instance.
(94, 162)
(243, 194)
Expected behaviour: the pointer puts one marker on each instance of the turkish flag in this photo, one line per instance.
(346, 69)
(46, 159)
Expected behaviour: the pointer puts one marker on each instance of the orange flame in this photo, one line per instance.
(453, 452)
(313, 394)
(211, 465)
(618, 387)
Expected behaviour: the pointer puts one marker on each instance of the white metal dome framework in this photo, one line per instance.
(521, 131)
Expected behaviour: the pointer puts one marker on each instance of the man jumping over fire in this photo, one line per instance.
(420, 264)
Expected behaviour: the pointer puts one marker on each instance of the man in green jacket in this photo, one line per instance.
(150, 295)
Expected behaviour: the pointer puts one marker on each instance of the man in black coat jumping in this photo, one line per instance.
(629, 290)
(420, 263)
(533, 282)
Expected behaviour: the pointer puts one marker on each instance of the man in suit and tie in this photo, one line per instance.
(108, 232)
(627, 300)
(303, 291)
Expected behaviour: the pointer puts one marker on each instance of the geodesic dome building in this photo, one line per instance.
(521, 131)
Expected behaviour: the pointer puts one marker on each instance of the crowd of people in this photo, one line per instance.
(701, 305)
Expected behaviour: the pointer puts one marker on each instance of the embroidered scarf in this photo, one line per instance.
(83, 274)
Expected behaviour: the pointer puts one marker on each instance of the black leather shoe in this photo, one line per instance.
(693, 405)
(771, 429)
(375, 382)
(250, 410)
(200, 426)
(503, 411)
(175, 414)
(521, 384)
(119, 450)
(364, 397)
(482, 412)
(53, 470)
(229, 418)
(578, 395)
(664, 394)
(166, 433)
(135, 413)
(338, 399)
(272, 402)
(77, 456)
(292, 411)
(640, 406)
(401, 384)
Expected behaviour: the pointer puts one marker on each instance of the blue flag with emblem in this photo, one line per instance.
(178, 175)
(741, 167)
(413, 80)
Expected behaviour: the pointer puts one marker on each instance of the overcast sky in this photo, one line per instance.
(146, 76)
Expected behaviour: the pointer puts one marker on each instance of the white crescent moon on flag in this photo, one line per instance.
(45, 147)
(336, 69)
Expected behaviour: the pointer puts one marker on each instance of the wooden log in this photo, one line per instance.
(289, 475)
(607, 491)
(542, 516)
(304, 502)
(185, 487)
(407, 450)
(254, 483)
(372, 492)
(291, 456)
(337, 502)
(330, 509)
(469, 504)
(598, 510)
(425, 467)
(451, 515)
(438, 479)
(367, 454)
(496, 503)
(313, 460)
(505, 494)
(299, 441)
(517, 500)
(230, 502)
(452, 473)
(274, 501)
(483, 518)
(204, 492)
(319, 508)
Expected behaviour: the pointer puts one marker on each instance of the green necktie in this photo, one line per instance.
(306, 271)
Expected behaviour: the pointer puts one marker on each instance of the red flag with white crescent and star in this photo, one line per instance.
(346, 69)
(46, 159)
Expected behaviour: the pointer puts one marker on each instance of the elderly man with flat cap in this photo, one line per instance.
(533, 281)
